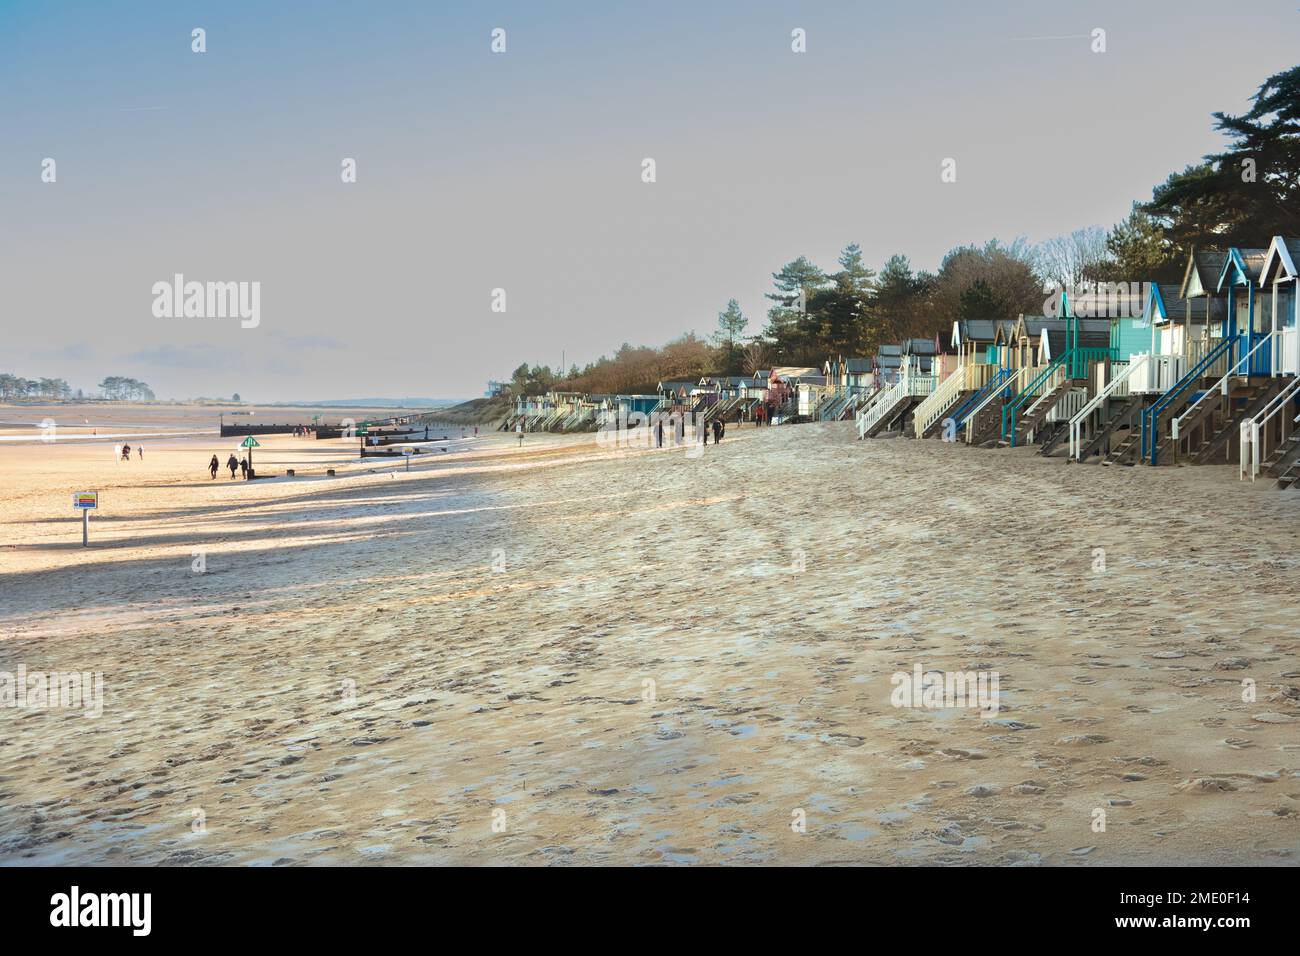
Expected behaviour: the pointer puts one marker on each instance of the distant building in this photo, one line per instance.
(496, 389)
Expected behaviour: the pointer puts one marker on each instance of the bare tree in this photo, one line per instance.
(754, 357)
(1070, 261)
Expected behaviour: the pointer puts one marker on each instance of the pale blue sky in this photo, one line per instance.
(522, 170)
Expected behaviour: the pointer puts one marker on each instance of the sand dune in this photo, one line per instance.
(451, 665)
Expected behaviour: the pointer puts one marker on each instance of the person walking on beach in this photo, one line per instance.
(126, 452)
(243, 467)
(214, 466)
(139, 452)
(233, 464)
(659, 434)
(717, 431)
(519, 430)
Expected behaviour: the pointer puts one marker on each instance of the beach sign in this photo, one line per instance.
(408, 451)
(83, 501)
(250, 443)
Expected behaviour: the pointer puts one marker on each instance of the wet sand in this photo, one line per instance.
(452, 665)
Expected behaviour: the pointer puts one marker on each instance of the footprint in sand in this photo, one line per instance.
(1082, 740)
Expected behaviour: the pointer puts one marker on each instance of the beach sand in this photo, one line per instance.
(563, 654)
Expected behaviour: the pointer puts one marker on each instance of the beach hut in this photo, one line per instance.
(887, 364)
(1269, 441)
(927, 352)
(1150, 355)
(809, 390)
(779, 392)
(1109, 409)
(736, 397)
(1232, 381)
(971, 364)
(1053, 360)
(784, 394)
(907, 375)
(674, 395)
(848, 383)
(1011, 350)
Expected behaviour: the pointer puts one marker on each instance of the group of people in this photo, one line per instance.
(124, 452)
(717, 426)
(233, 463)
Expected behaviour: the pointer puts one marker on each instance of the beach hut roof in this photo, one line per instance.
(858, 365)
(1283, 254)
(1092, 333)
(1242, 266)
(977, 330)
(1119, 299)
(1204, 266)
(676, 384)
(1165, 303)
(920, 347)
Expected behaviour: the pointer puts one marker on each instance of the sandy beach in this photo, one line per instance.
(566, 654)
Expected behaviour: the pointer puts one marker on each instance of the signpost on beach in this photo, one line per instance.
(84, 501)
(250, 443)
(408, 452)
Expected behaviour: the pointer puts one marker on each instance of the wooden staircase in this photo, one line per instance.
(987, 424)
(1036, 413)
(891, 405)
(936, 426)
(1218, 429)
(892, 415)
(1283, 463)
(1124, 447)
(1059, 431)
(1123, 416)
(1210, 425)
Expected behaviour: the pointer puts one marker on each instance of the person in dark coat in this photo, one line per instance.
(243, 466)
(659, 434)
(214, 466)
(717, 431)
(233, 464)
